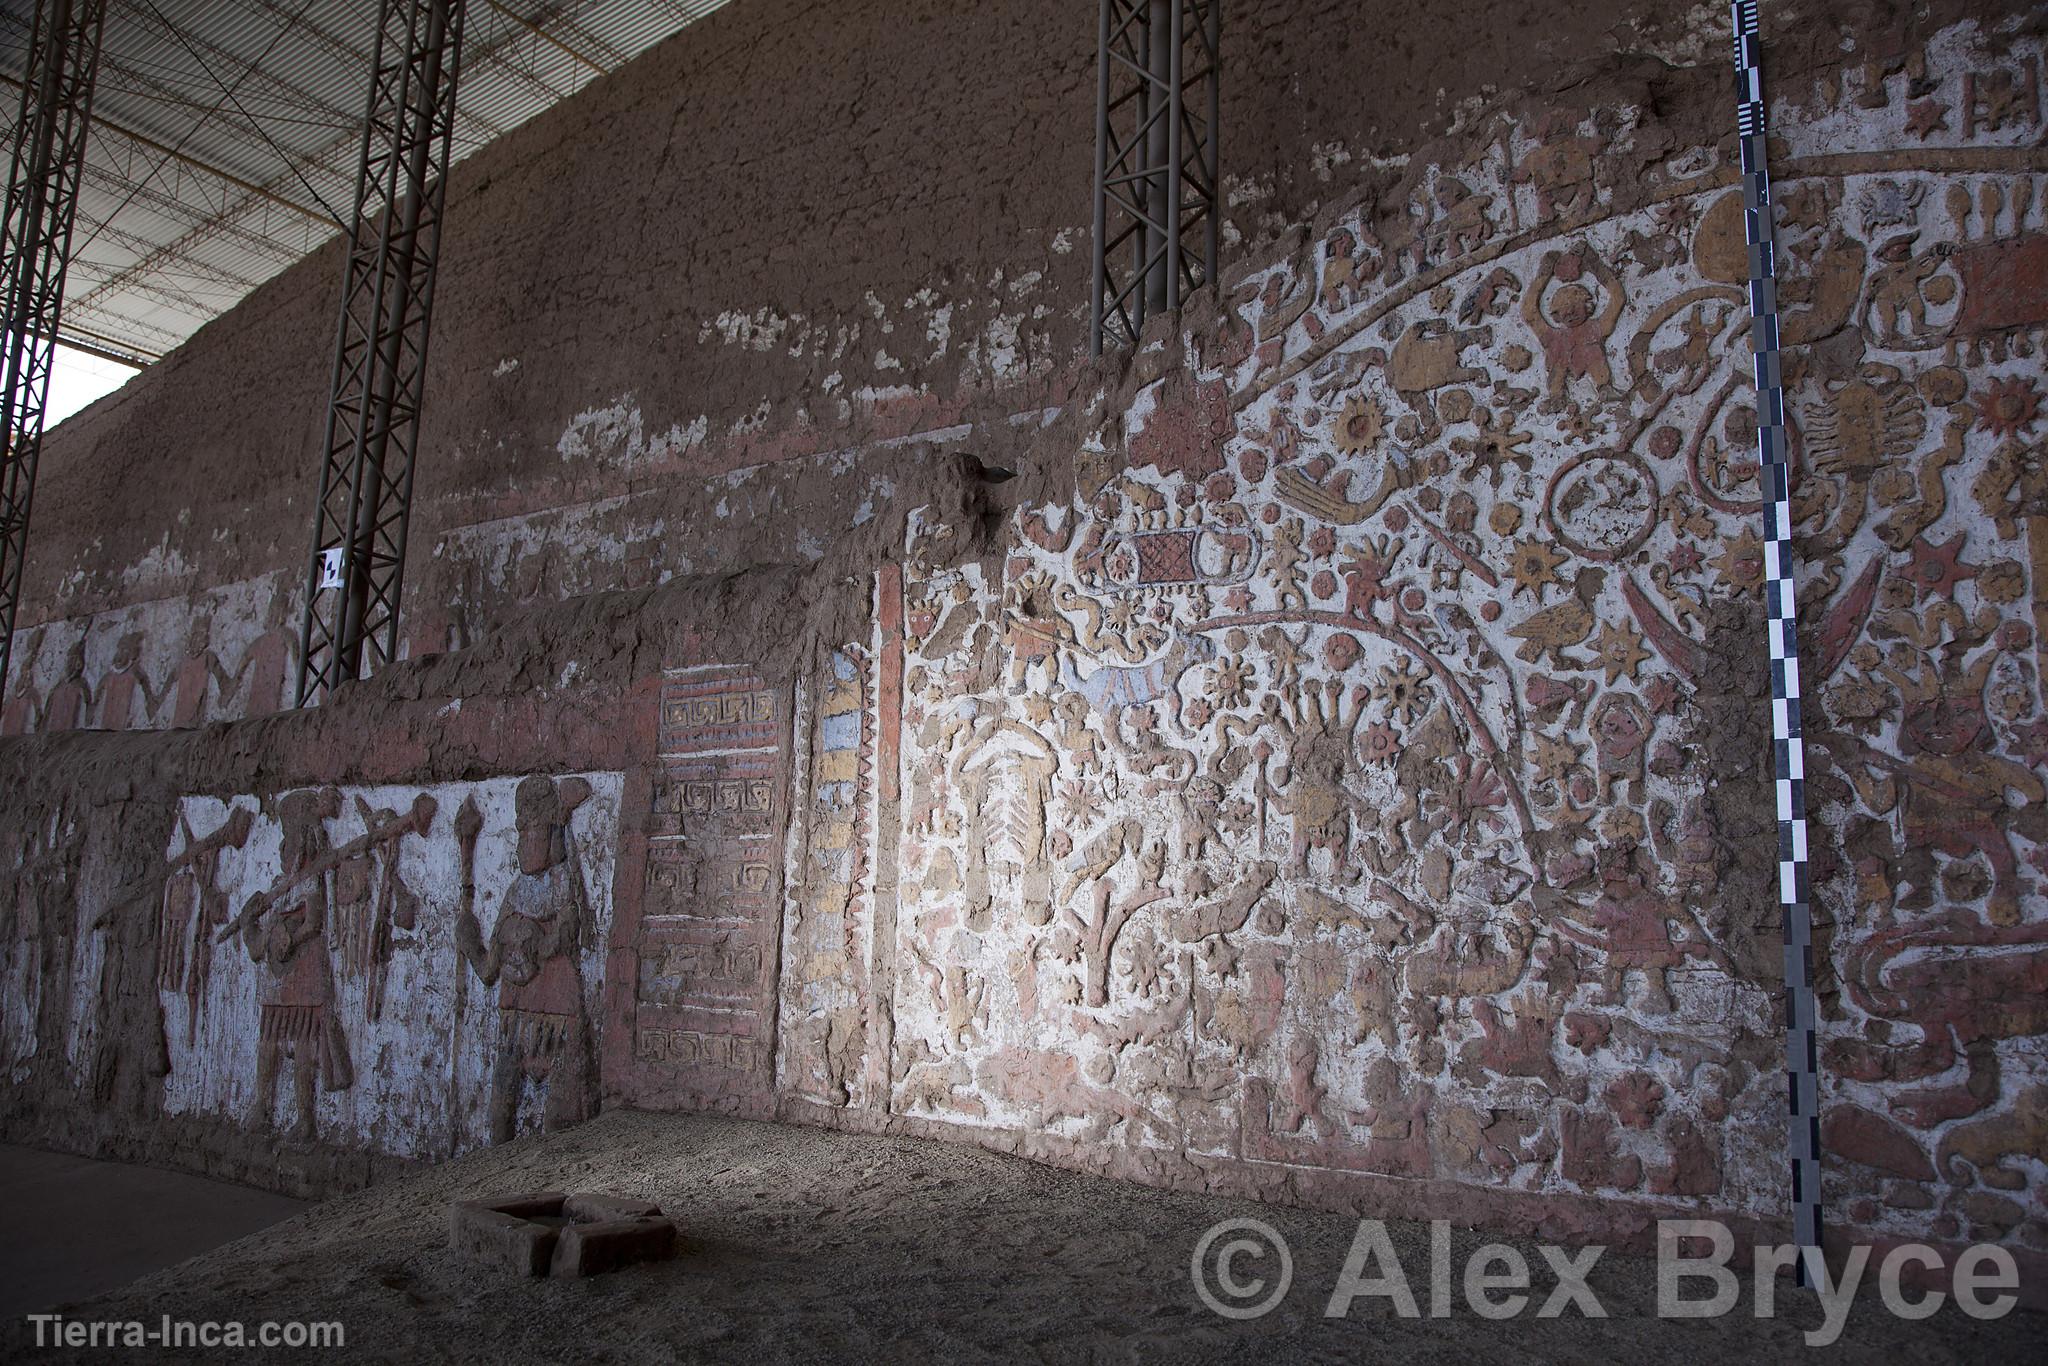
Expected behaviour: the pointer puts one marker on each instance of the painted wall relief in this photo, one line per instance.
(1363, 790)
(1363, 772)
(223, 654)
(704, 944)
(825, 948)
(410, 971)
(39, 934)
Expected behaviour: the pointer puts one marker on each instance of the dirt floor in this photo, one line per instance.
(804, 1245)
(71, 1227)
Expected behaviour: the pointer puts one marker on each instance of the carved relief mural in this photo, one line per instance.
(1358, 772)
(39, 933)
(1343, 787)
(825, 949)
(704, 944)
(223, 654)
(321, 951)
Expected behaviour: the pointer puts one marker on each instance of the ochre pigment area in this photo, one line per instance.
(1334, 770)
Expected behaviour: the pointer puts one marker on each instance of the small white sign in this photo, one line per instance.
(330, 568)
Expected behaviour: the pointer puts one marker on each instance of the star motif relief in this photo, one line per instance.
(2008, 407)
(1937, 568)
(1925, 118)
(1621, 650)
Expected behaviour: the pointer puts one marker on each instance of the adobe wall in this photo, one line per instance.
(1334, 769)
(680, 300)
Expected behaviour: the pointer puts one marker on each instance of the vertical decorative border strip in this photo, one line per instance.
(1802, 1063)
(881, 1011)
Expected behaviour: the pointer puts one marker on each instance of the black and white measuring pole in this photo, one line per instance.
(1802, 1062)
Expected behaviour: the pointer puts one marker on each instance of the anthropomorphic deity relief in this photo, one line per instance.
(534, 958)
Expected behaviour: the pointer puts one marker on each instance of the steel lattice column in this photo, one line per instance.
(380, 354)
(1155, 160)
(42, 204)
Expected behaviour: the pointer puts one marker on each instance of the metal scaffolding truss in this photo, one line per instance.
(1155, 160)
(365, 502)
(35, 247)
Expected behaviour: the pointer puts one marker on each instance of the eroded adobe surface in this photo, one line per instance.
(1334, 769)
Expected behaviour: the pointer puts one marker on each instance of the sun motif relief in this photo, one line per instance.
(1376, 743)
(1400, 689)
(1360, 427)
(1741, 562)
(2008, 407)
(1234, 681)
(1534, 566)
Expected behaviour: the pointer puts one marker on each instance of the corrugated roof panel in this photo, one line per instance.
(222, 125)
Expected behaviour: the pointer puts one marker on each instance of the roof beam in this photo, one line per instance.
(72, 330)
(67, 336)
(103, 123)
(221, 179)
(545, 36)
(356, 59)
(264, 81)
(253, 71)
(172, 206)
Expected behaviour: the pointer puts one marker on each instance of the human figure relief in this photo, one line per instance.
(193, 909)
(1896, 311)
(38, 899)
(69, 704)
(1953, 787)
(1320, 730)
(197, 677)
(544, 925)
(20, 713)
(1573, 329)
(264, 665)
(373, 904)
(285, 933)
(119, 688)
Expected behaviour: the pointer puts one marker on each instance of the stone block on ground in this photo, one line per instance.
(549, 1233)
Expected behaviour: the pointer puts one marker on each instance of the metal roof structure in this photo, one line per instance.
(225, 136)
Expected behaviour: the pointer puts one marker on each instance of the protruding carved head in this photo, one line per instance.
(1944, 712)
(537, 814)
(303, 815)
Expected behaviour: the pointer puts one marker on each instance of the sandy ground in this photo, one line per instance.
(71, 1227)
(803, 1245)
